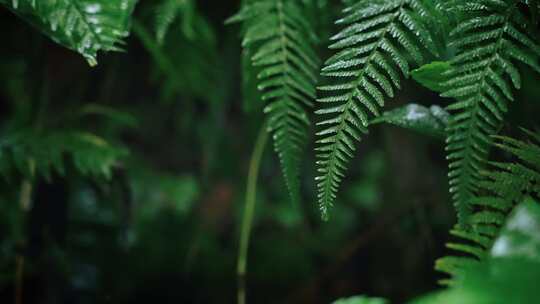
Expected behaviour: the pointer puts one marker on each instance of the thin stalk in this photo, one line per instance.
(249, 208)
(25, 200)
(19, 276)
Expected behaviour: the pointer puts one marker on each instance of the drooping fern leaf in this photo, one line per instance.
(86, 26)
(492, 36)
(506, 185)
(281, 42)
(376, 43)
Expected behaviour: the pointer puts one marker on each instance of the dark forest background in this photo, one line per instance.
(164, 228)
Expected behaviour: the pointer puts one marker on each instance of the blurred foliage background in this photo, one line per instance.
(162, 225)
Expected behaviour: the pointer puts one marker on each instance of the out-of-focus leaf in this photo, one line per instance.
(112, 114)
(360, 300)
(157, 191)
(166, 14)
(431, 121)
(520, 237)
(85, 26)
(43, 154)
(431, 75)
(190, 66)
(497, 281)
(511, 274)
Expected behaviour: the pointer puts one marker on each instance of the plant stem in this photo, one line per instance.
(249, 208)
(25, 200)
(19, 276)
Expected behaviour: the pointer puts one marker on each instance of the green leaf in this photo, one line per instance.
(520, 237)
(431, 75)
(85, 26)
(431, 121)
(497, 281)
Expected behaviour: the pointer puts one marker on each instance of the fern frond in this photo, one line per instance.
(376, 44)
(86, 26)
(490, 39)
(507, 184)
(280, 41)
(32, 154)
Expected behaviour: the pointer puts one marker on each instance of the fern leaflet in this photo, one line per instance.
(374, 45)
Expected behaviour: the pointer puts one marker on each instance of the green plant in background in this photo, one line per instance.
(168, 11)
(42, 154)
(475, 54)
